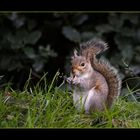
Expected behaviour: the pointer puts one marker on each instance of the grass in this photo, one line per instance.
(48, 106)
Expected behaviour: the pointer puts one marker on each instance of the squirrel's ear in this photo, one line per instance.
(88, 56)
(75, 53)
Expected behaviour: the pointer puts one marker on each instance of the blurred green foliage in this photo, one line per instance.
(44, 41)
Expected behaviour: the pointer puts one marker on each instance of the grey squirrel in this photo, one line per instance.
(96, 84)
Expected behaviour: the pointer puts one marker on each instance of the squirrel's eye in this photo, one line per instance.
(82, 64)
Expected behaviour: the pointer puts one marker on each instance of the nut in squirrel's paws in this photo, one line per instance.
(76, 81)
(73, 81)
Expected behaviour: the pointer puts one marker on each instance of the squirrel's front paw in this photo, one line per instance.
(73, 81)
(76, 82)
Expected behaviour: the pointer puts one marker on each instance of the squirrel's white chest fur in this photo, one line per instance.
(82, 99)
(88, 99)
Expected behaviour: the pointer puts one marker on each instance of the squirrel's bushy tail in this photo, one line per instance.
(112, 78)
(93, 48)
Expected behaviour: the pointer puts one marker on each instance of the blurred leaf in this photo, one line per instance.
(138, 34)
(17, 40)
(18, 45)
(12, 16)
(9, 64)
(1, 76)
(31, 24)
(137, 58)
(116, 59)
(30, 52)
(127, 53)
(38, 66)
(20, 36)
(127, 32)
(115, 21)
(122, 41)
(71, 34)
(87, 36)
(16, 19)
(15, 66)
(33, 37)
(12, 39)
(135, 69)
(103, 28)
(5, 62)
(19, 22)
(46, 51)
(133, 18)
(80, 19)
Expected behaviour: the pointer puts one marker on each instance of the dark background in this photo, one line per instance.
(43, 42)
